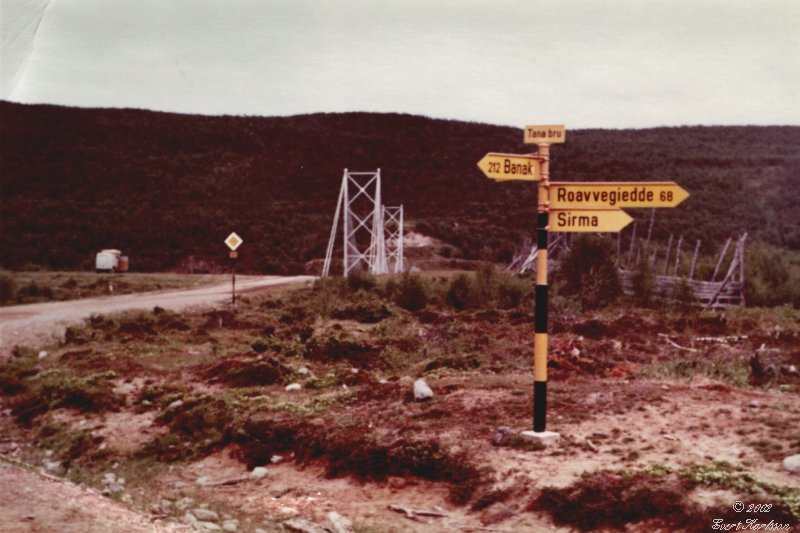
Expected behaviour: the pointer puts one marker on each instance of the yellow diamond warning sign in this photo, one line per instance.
(233, 241)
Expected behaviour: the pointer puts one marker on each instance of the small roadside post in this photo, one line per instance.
(233, 241)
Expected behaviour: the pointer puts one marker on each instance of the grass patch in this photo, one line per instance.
(33, 287)
(723, 475)
(735, 372)
(36, 389)
(67, 444)
(197, 426)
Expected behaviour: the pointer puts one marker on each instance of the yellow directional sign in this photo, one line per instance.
(550, 134)
(610, 195)
(504, 167)
(588, 220)
(233, 241)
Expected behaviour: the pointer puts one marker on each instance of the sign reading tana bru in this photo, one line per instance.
(549, 134)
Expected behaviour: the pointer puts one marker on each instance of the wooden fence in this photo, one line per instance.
(711, 294)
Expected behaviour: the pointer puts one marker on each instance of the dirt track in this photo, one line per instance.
(35, 324)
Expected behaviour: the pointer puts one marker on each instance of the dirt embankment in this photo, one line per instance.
(299, 405)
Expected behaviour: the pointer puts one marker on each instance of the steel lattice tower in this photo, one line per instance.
(393, 238)
(360, 206)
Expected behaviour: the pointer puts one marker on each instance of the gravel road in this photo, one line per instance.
(36, 324)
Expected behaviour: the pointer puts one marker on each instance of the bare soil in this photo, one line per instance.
(667, 410)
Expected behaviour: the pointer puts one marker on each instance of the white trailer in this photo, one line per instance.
(111, 261)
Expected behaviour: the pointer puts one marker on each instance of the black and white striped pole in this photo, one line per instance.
(540, 338)
(543, 137)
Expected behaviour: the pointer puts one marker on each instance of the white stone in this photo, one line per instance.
(42, 354)
(209, 526)
(52, 466)
(792, 463)
(293, 387)
(275, 459)
(230, 525)
(258, 472)
(191, 520)
(422, 391)
(202, 481)
(184, 503)
(175, 404)
(205, 514)
(339, 524)
(301, 525)
(303, 371)
(546, 438)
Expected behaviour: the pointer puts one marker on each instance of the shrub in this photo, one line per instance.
(592, 502)
(412, 292)
(462, 293)
(486, 285)
(512, 291)
(8, 288)
(360, 280)
(770, 280)
(644, 284)
(682, 297)
(590, 273)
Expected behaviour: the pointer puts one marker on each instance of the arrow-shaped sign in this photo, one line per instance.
(611, 195)
(588, 220)
(504, 167)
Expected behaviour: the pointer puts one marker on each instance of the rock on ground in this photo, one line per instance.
(258, 472)
(422, 391)
(792, 463)
(205, 514)
(301, 525)
(338, 523)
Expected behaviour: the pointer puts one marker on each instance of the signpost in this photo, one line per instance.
(504, 167)
(611, 195)
(233, 242)
(567, 207)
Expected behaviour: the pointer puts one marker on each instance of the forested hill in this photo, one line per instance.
(163, 186)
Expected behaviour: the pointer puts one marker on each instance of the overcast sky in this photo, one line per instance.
(604, 63)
